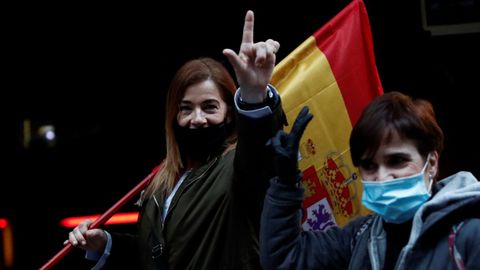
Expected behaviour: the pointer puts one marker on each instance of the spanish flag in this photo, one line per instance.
(334, 73)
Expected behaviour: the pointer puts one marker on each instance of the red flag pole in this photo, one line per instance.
(103, 218)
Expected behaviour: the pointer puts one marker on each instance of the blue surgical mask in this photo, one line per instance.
(397, 200)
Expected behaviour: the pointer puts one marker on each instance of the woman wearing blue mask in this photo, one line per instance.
(417, 221)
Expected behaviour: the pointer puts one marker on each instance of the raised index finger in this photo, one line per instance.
(248, 28)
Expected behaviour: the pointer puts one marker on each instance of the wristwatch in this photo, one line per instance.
(269, 101)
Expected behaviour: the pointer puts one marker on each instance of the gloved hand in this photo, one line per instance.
(285, 148)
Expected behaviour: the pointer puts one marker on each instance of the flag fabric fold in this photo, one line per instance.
(334, 73)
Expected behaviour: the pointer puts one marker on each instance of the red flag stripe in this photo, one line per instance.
(351, 26)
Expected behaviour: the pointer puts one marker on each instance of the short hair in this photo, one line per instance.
(391, 113)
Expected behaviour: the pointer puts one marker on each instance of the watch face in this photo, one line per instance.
(269, 93)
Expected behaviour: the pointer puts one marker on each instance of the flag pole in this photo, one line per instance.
(103, 218)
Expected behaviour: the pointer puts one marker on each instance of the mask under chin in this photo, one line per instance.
(201, 143)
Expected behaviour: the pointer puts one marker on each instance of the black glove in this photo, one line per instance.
(285, 149)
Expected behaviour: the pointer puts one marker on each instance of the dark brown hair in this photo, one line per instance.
(392, 113)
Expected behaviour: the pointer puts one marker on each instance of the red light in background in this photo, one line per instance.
(6, 243)
(119, 218)
(3, 223)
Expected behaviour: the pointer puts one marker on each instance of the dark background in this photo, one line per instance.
(99, 73)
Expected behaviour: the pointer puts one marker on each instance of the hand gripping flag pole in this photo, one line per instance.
(103, 218)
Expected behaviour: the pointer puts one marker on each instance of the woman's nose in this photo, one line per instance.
(383, 174)
(199, 118)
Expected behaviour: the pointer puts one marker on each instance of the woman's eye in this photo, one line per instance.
(367, 165)
(396, 161)
(210, 108)
(185, 108)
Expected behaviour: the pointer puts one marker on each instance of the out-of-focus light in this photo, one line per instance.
(27, 133)
(38, 135)
(50, 135)
(119, 218)
(7, 244)
(3, 223)
(47, 133)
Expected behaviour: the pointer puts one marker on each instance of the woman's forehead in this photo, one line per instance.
(202, 90)
(394, 143)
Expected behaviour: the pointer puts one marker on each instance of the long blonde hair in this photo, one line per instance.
(192, 72)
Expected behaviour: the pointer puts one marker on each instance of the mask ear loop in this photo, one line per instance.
(430, 178)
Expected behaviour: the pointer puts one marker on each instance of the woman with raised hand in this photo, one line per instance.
(202, 209)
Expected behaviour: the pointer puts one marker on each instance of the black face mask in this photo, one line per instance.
(200, 143)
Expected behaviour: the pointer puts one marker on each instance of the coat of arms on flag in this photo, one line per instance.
(334, 73)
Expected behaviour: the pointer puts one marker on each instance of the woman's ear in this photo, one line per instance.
(433, 162)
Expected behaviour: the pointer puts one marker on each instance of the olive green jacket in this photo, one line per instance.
(214, 218)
